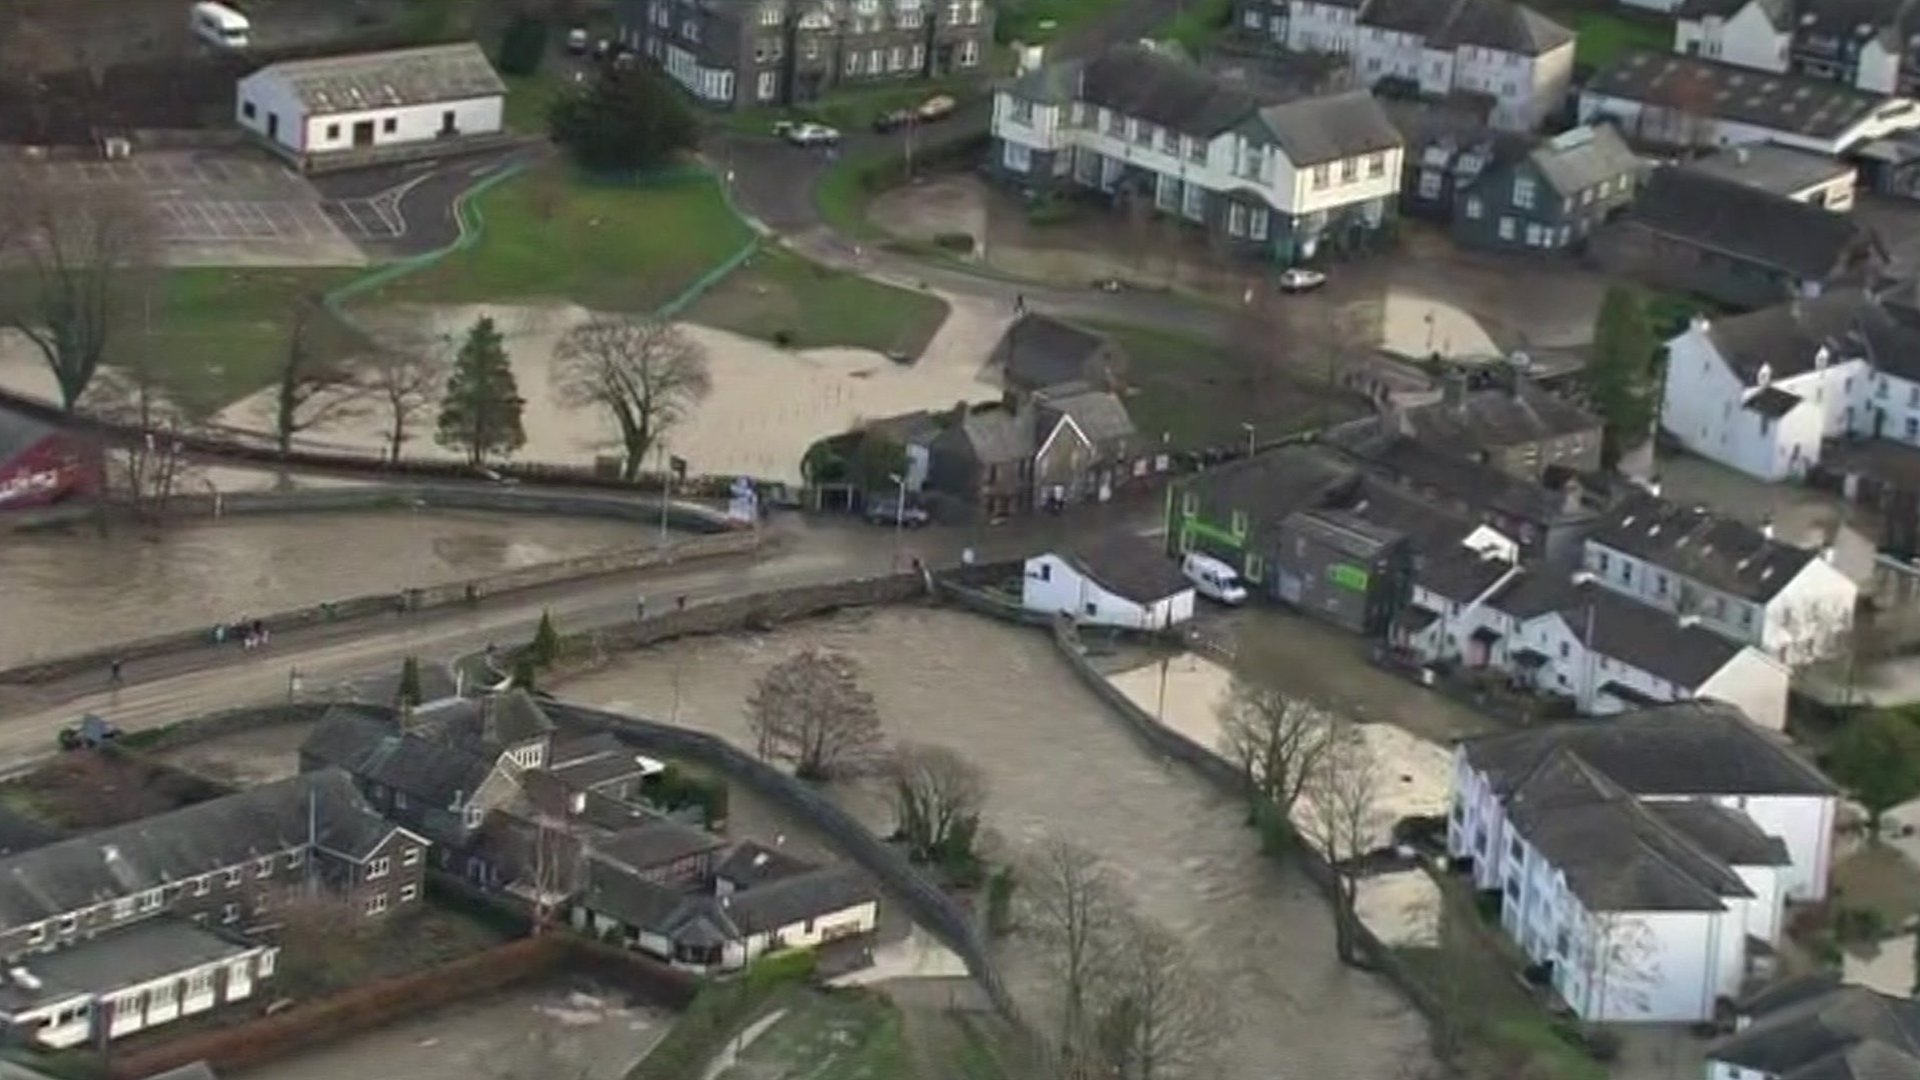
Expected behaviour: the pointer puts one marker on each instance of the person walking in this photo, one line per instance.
(640, 608)
(113, 672)
(1019, 303)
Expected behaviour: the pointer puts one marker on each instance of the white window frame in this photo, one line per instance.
(1525, 192)
(376, 903)
(1236, 219)
(1016, 157)
(378, 867)
(410, 856)
(1193, 202)
(409, 893)
(1257, 223)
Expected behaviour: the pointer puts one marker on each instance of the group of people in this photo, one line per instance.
(250, 633)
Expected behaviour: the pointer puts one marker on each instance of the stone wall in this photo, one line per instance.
(623, 560)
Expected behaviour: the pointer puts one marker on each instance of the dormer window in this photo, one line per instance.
(472, 817)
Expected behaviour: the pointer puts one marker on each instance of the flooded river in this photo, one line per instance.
(76, 588)
(1059, 765)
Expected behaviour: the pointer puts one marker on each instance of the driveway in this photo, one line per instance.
(419, 197)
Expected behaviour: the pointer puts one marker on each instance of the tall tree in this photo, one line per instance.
(480, 412)
(79, 250)
(1073, 907)
(642, 372)
(405, 378)
(811, 710)
(317, 382)
(1163, 1020)
(1276, 740)
(1877, 757)
(937, 796)
(627, 119)
(1619, 373)
(144, 473)
(1340, 816)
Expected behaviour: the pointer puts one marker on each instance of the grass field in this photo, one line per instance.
(619, 247)
(1604, 35)
(1038, 21)
(864, 1036)
(780, 297)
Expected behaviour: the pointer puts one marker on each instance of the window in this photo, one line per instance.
(230, 913)
(247, 109)
(853, 62)
(1349, 169)
(1430, 183)
(36, 933)
(1566, 650)
(69, 923)
(1321, 174)
(203, 885)
(1257, 223)
(1236, 220)
(389, 125)
(1913, 397)
(1536, 235)
(1016, 158)
(295, 858)
(910, 19)
(1626, 572)
(896, 58)
(1166, 192)
(233, 877)
(123, 909)
(918, 58)
(1507, 229)
(333, 132)
(410, 857)
(472, 817)
(1022, 111)
(1143, 132)
(969, 52)
(1474, 207)
(152, 899)
(1193, 202)
(767, 85)
(1092, 608)
(409, 892)
(1196, 151)
(263, 867)
(377, 868)
(267, 957)
(1517, 852)
(1524, 192)
(200, 983)
(376, 903)
(1239, 522)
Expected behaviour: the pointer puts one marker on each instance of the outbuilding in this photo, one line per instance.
(366, 107)
(1118, 581)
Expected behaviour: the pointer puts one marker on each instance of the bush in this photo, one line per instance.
(544, 649)
(675, 789)
(523, 46)
(955, 241)
(1858, 924)
(1000, 885)
(1051, 211)
(625, 121)
(1600, 1044)
(720, 1010)
(783, 339)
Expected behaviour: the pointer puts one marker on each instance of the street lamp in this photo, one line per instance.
(1247, 426)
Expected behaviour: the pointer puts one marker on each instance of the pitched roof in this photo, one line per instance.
(1039, 351)
(749, 863)
(1727, 835)
(1778, 12)
(1628, 631)
(1477, 484)
(1428, 527)
(1846, 1032)
(1049, 84)
(126, 956)
(797, 897)
(1773, 401)
(1802, 105)
(1127, 566)
(655, 844)
(1787, 337)
(483, 725)
(147, 854)
(1138, 81)
(1502, 26)
(1782, 170)
(1696, 543)
(428, 771)
(1686, 748)
(1461, 575)
(1099, 415)
(1576, 160)
(1745, 222)
(1269, 486)
(995, 432)
(437, 683)
(1317, 130)
(1499, 417)
(358, 81)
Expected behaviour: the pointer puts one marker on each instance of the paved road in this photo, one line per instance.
(800, 551)
(423, 194)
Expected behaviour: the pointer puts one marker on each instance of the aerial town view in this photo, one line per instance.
(959, 540)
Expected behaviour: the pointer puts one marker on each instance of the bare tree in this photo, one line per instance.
(1073, 907)
(80, 251)
(1339, 814)
(811, 710)
(937, 796)
(147, 471)
(1163, 1020)
(554, 870)
(1276, 740)
(406, 379)
(326, 943)
(318, 385)
(643, 372)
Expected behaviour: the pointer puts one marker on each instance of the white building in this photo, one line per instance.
(1640, 858)
(1562, 635)
(1754, 34)
(1815, 1026)
(1272, 179)
(1121, 581)
(345, 108)
(1727, 576)
(1689, 101)
(1508, 51)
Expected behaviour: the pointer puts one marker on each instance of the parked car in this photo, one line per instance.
(893, 120)
(92, 731)
(938, 107)
(1213, 579)
(577, 40)
(1300, 279)
(888, 511)
(810, 134)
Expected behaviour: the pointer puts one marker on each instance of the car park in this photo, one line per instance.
(811, 134)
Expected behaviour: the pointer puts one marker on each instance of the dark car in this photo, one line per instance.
(892, 120)
(888, 511)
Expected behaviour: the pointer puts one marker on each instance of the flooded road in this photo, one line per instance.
(76, 588)
(1059, 765)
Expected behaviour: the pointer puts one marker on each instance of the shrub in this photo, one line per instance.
(544, 649)
(1858, 924)
(523, 45)
(783, 339)
(955, 241)
(1051, 211)
(1000, 885)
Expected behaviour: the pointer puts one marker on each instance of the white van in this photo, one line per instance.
(220, 26)
(1213, 579)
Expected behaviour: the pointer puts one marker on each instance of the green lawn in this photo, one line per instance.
(845, 1036)
(1604, 35)
(550, 234)
(1199, 22)
(1037, 21)
(778, 296)
(215, 335)
(528, 99)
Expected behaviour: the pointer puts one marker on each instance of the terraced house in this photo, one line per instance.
(1279, 180)
(1507, 52)
(741, 54)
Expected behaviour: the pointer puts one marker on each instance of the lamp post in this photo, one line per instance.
(899, 514)
(1247, 426)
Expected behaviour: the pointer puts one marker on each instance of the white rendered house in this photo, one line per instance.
(1640, 859)
(1122, 581)
(1750, 33)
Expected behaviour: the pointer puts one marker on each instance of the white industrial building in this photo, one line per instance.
(1120, 581)
(370, 107)
(1644, 861)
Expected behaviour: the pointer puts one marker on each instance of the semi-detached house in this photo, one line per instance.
(1277, 180)
(1643, 861)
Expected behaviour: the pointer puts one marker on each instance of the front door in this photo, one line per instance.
(447, 124)
(363, 133)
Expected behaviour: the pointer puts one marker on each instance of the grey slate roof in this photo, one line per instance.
(1501, 25)
(1745, 222)
(1847, 1032)
(1631, 632)
(1429, 528)
(1615, 855)
(1792, 103)
(1099, 415)
(1039, 351)
(997, 433)
(358, 81)
(1725, 834)
(18, 832)
(483, 725)
(1773, 402)
(1579, 159)
(1478, 485)
(1683, 749)
(1049, 84)
(1140, 82)
(1269, 486)
(1127, 566)
(1717, 551)
(797, 897)
(1782, 170)
(128, 956)
(1778, 12)
(152, 852)
(656, 844)
(1461, 575)
(430, 772)
(1786, 337)
(1317, 130)
(749, 863)
(1496, 418)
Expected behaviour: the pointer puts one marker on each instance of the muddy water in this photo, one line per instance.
(1059, 765)
(65, 591)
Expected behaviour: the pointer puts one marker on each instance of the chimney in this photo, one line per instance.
(1766, 528)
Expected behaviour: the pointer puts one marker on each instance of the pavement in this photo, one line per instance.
(799, 551)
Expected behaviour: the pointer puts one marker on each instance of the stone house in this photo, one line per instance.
(1064, 445)
(1514, 425)
(1551, 198)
